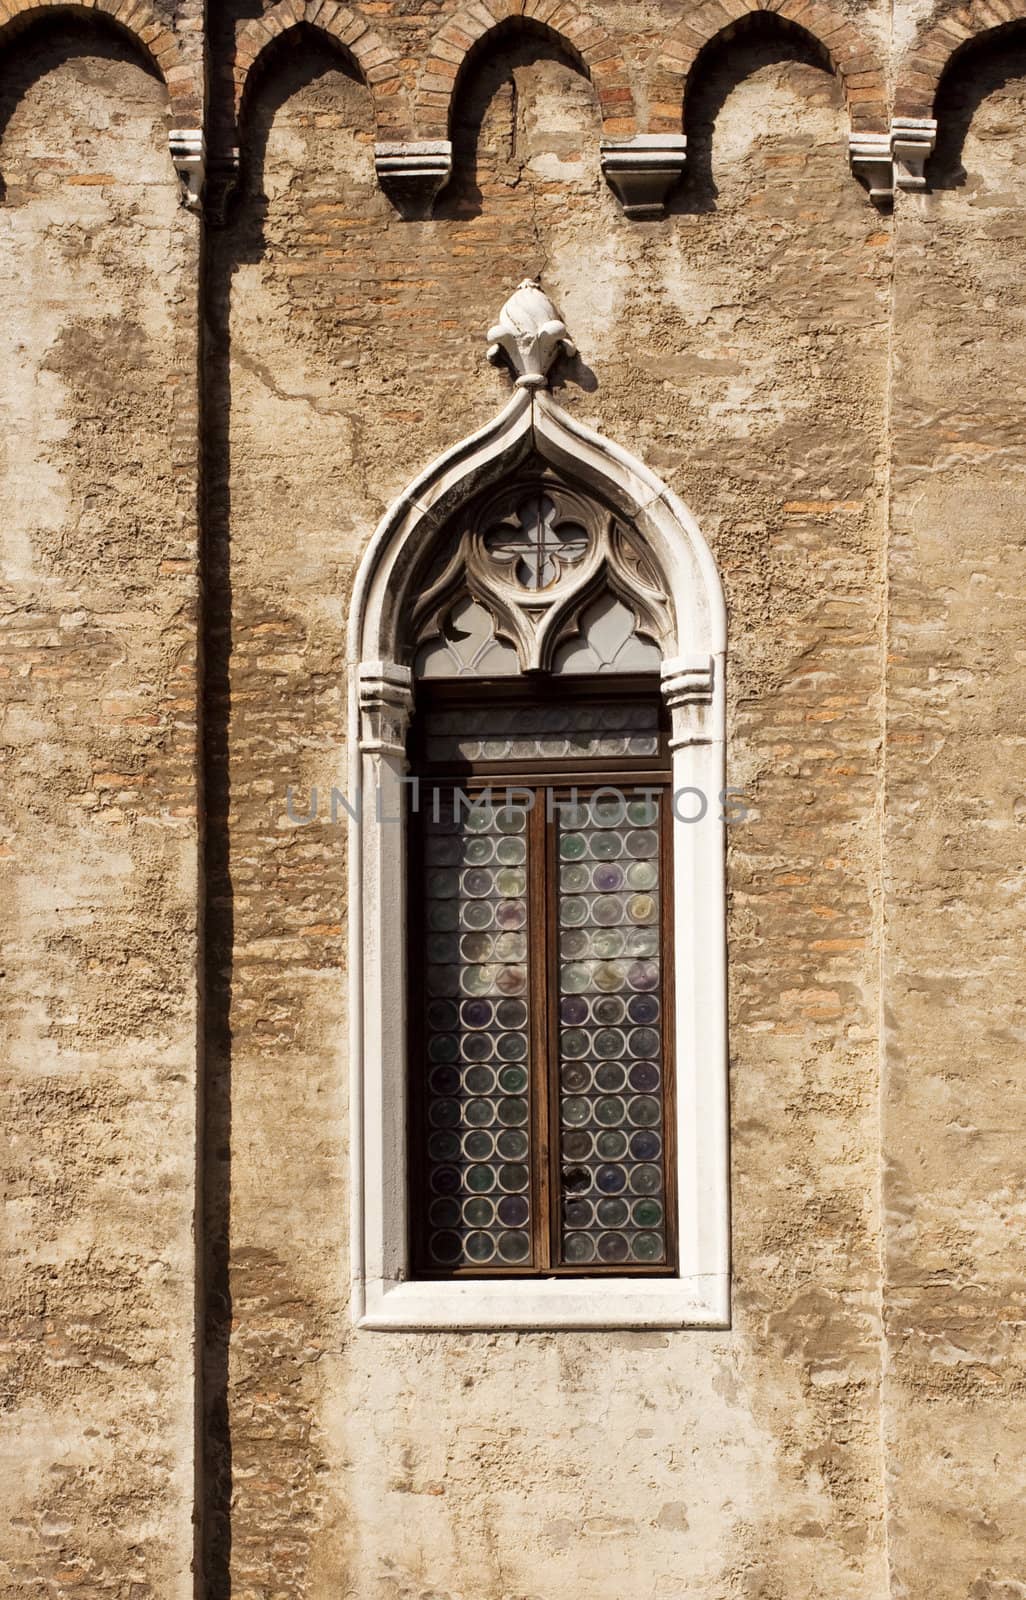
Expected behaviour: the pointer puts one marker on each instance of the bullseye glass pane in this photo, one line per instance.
(611, 1093)
(476, 1039)
(565, 731)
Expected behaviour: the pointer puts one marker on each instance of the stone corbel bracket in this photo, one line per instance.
(188, 148)
(912, 142)
(386, 703)
(688, 689)
(872, 162)
(642, 171)
(893, 160)
(412, 173)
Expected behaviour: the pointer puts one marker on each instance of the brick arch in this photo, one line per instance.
(855, 63)
(924, 66)
(376, 59)
(564, 22)
(142, 24)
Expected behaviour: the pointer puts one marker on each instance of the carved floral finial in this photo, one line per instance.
(529, 334)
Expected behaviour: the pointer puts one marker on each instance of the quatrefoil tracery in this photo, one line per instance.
(536, 556)
(538, 546)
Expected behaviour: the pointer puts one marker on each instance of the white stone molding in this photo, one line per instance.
(188, 148)
(642, 171)
(872, 161)
(384, 1295)
(912, 142)
(413, 172)
(689, 691)
(529, 334)
(896, 159)
(386, 703)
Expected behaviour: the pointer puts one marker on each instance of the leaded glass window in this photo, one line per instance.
(540, 1005)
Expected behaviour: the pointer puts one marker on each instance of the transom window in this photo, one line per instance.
(540, 1128)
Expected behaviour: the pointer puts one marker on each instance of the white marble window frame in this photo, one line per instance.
(384, 1294)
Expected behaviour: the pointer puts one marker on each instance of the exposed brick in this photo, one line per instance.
(352, 33)
(871, 115)
(580, 28)
(862, 80)
(850, 434)
(440, 81)
(372, 55)
(444, 50)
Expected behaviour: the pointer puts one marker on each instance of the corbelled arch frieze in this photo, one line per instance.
(144, 25)
(567, 24)
(841, 45)
(642, 156)
(376, 58)
(922, 69)
(180, 70)
(855, 62)
(405, 170)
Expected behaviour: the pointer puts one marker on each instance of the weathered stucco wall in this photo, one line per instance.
(99, 841)
(955, 812)
(847, 432)
(344, 330)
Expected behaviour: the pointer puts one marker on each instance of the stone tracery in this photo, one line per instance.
(535, 558)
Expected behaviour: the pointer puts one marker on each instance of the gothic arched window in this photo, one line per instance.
(540, 1000)
(539, 1111)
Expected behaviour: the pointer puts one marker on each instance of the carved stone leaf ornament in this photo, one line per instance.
(545, 562)
(530, 335)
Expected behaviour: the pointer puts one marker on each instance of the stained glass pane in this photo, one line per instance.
(476, 1035)
(611, 1096)
(543, 732)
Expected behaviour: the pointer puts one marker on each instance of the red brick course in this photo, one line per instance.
(850, 55)
(580, 35)
(929, 58)
(377, 60)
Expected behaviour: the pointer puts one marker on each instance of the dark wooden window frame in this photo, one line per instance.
(547, 779)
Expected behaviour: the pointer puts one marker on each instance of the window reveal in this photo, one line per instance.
(539, 1115)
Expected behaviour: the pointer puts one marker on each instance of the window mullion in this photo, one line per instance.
(538, 976)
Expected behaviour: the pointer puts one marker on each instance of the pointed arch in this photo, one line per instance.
(847, 51)
(938, 46)
(375, 57)
(533, 423)
(463, 34)
(381, 685)
(143, 25)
